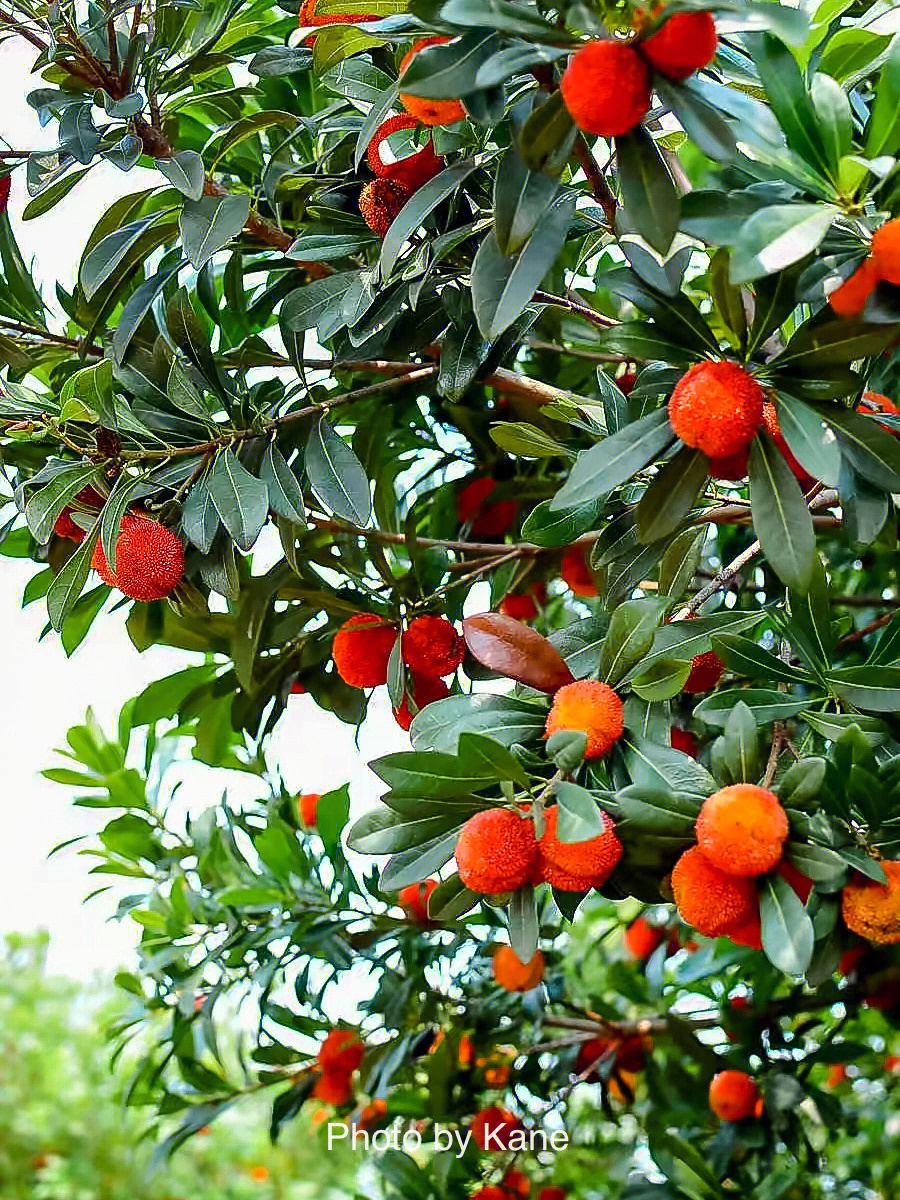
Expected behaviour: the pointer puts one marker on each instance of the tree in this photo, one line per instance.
(573, 328)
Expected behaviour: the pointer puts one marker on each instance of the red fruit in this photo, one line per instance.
(414, 900)
(837, 1074)
(5, 188)
(716, 407)
(874, 402)
(297, 688)
(516, 1184)
(626, 382)
(733, 1096)
(492, 1128)
(380, 201)
(591, 707)
(332, 1087)
(341, 1053)
(307, 16)
(431, 647)
(64, 526)
(642, 938)
(308, 804)
(488, 521)
(630, 1054)
(711, 900)
(496, 852)
(576, 573)
(686, 43)
(886, 251)
(684, 740)
(592, 861)
(802, 884)
(559, 878)
(748, 934)
(892, 1063)
(851, 959)
(512, 974)
(430, 112)
(519, 605)
(885, 998)
(414, 170)
(361, 650)
(149, 559)
(424, 692)
(606, 88)
(851, 297)
(491, 1191)
(706, 671)
(742, 829)
(734, 466)
(552, 1193)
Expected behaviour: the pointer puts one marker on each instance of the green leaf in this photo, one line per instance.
(185, 171)
(778, 236)
(874, 452)
(526, 441)
(501, 286)
(199, 519)
(450, 900)
(745, 657)
(661, 678)
(833, 343)
(600, 470)
(788, 97)
(432, 774)
(781, 518)
(387, 832)
(45, 505)
(520, 199)
(835, 118)
(546, 138)
(241, 500)
(125, 490)
(503, 718)
(579, 817)
(450, 71)
(566, 749)
(741, 744)
(46, 199)
(285, 496)
(787, 931)
(883, 131)
(305, 307)
(412, 866)
(699, 117)
(809, 439)
(659, 811)
(679, 564)
(210, 223)
(631, 632)
(671, 494)
(485, 753)
(523, 924)
(69, 583)
(872, 688)
(422, 202)
(766, 705)
(336, 475)
(648, 191)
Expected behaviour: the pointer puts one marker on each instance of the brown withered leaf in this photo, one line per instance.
(516, 651)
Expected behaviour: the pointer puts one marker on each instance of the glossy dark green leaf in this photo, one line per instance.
(780, 516)
(604, 467)
(648, 189)
(185, 171)
(336, 475)
(672, 494)
(241, 500)
(787, 931)
(210, 223)
(520, 198)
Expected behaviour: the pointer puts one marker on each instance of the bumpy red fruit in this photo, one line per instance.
(429, 112)
(593, 860)
(886, 251)
(742, 829)
(65, 526)
(149, 559)
(734, 466)
(559, 878)
(717, 407)
(552, 1193)
(733, 1096)
(512, 974)
(873, 909)
(706, 671)
(380, 201)
(488, 520)
(851, 297)
(493, 1127)
(521, 606)
(361, 650)
(432, 647)
(424, 692)
(591, 707)
(686, 43)
(414, 900)
(711, 900)
(333, 1088)
(606, 88)
(412, 171)
(342, 1052)
(576, 573)
(496, 852)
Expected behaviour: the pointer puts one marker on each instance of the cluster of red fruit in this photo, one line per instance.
(515, 1185)
(499, 852)
(383, 197)
(149, 557)
(430, 647)
(607, 86)
(851, 297)
(340, 1057)
(741, 831)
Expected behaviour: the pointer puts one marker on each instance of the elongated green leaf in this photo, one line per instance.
(520, 198)
(648, 190)
(210, 223)
(448, 72)
(780, 516)
(423, 201)
(46, 504)
(672, 494)
(69, 583)
(185, 171)
(809, 439)
(872, 688)
(523, 924)
(874, 452)
(126, 489)
(778, 236)
(611, 462)
(46, 199)
(787, 931)
(241, 500)
(285, 496)
(503, 718)
(336, 475)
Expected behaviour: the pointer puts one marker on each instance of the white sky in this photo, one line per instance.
(44, 692)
